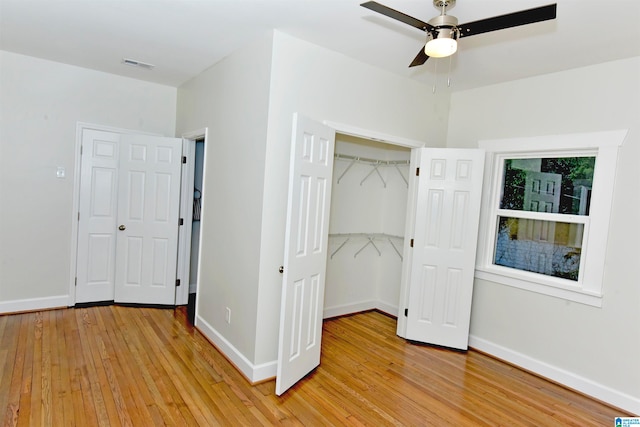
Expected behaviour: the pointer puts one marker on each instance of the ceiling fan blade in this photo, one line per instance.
(399, 16)
(420, 58)
(524, 17)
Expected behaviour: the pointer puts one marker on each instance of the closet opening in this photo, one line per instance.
(366, 227)
(195, 228)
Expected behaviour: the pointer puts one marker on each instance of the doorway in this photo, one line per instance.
(98, 175)
(194, 258)
(366, 226)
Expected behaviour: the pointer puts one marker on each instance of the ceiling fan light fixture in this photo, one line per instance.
(442, 46)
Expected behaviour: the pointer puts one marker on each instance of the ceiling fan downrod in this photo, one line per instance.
(444, 4)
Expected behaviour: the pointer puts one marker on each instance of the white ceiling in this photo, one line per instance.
(184, 37)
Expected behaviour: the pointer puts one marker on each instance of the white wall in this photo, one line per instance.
(594, 349)
(325, 85)
(231, 100)
(368, 280)
(247, 102)
(40, 103)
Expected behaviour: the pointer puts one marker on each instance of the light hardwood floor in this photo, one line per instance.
(117, 365)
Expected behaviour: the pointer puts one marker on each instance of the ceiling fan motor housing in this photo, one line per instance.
(444, 22)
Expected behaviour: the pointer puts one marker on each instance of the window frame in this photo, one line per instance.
(604, 146)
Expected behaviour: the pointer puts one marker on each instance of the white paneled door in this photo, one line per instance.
(128, 219)
(305, 258)
(444, 246)
(98, 216)
(148, 214)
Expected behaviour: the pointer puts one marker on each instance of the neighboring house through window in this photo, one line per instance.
(546, 213)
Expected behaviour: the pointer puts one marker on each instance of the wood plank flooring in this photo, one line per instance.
(110, 366)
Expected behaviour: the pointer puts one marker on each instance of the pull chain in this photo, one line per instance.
(449, 72)
(435, 75)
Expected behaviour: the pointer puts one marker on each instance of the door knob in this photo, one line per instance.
(122, 227)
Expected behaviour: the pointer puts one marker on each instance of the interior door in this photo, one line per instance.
(305, 257)
(95, 276)
(148, 210)
(447, 213)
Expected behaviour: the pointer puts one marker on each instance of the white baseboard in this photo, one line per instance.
(387, 308)
(569, 379)
(357, 307)
(341, 310)
(253, 373)
(33, 304)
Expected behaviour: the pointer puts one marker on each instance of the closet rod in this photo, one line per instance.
(381, 235)
(368, 160)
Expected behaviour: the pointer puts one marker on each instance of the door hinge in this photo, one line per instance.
(78, 215)
(181, 222)
(417, 171)
(411, 243)
(177, 282)
(75, 282)
(406, 312)
(81, 146)
(184, 159)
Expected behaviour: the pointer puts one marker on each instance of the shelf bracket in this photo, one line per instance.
(395, 249)
(375, 169)
(347, 169)
(370, 242)
(339, 247)
(401, 174)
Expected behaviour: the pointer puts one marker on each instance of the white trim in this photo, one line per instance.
(358, 307)
(388, 308)
(576, 295)
(33, 304)
(253, 373)
(567, 378)
(374, 136)
(574, 141)
(341, 310)
(604, 145)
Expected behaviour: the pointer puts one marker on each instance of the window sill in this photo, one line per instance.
(566, 293)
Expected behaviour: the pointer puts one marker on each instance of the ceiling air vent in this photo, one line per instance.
(134, 63)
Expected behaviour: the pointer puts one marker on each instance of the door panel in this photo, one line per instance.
(305, 251)
(149, 194)
(98, 216)
(445, 239)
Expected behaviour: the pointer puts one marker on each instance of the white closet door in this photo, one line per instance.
(305, 251)
(149, 193)
(444, 248)
(97, 216)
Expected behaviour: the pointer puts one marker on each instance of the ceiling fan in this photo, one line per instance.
(443, 31)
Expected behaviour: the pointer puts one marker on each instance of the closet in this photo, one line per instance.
(366, 227)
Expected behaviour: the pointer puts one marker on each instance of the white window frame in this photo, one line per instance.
(604, 146)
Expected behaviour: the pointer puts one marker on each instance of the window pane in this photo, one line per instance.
(545, 247)
(556, 185)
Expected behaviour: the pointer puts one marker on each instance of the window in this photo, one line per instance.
(546, 211)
